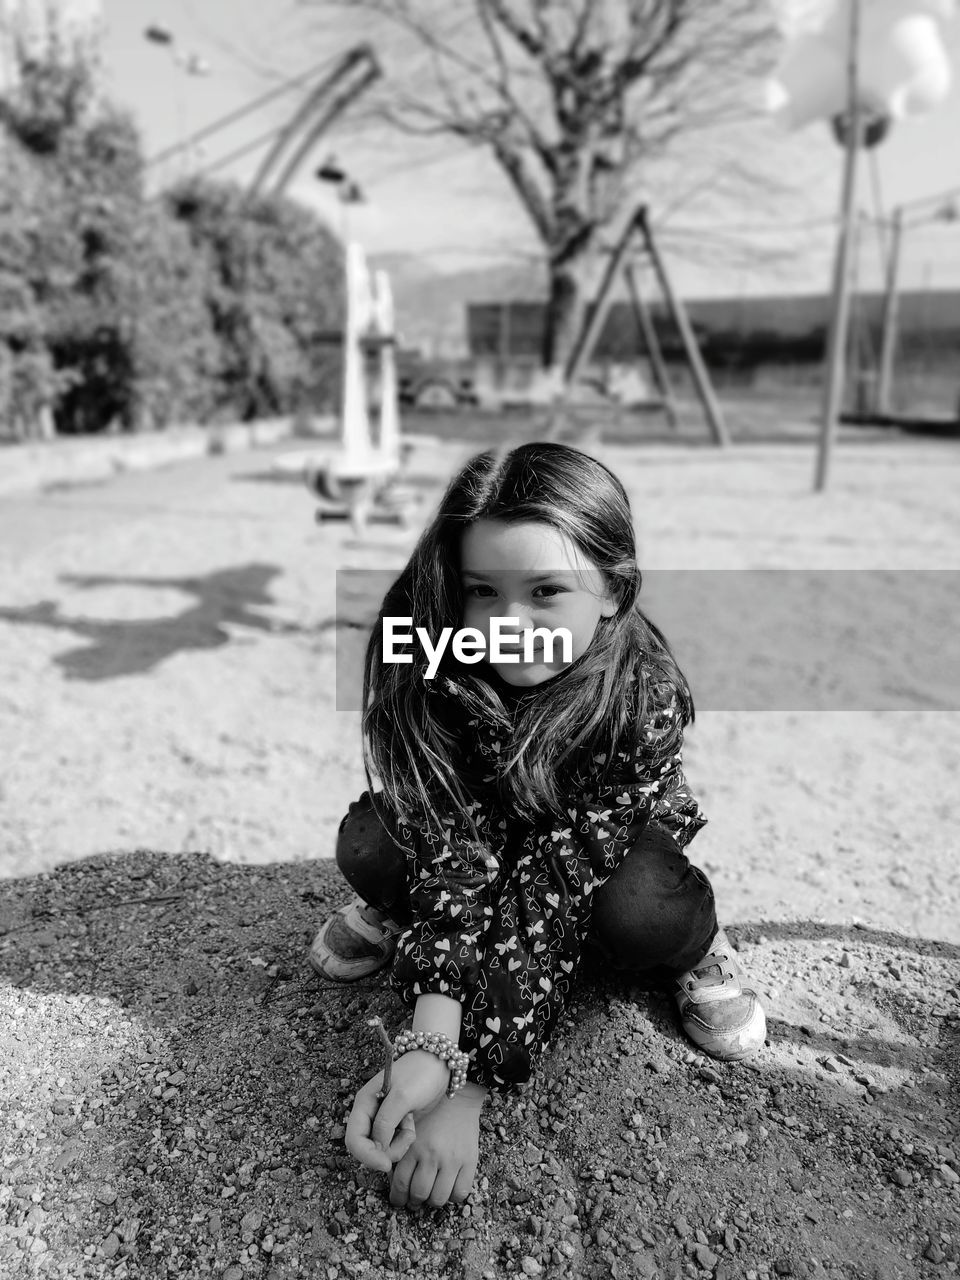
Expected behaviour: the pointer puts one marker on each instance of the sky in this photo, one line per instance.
(454, 210)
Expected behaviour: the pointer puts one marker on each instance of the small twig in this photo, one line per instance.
(158, 898)
(43, 921)
(387, 1055)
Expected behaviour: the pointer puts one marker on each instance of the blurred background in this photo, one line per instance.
(178, 184)
(178, 180)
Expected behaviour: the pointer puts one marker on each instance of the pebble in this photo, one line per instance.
(530, 1266)
(705, 1256)
(902, 1177)
(251, 1221)
(106, 1194)
(949, 1174)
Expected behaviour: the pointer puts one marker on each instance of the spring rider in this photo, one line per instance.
(359, 479)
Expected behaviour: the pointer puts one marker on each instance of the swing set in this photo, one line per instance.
(636, 246)
(872, 357)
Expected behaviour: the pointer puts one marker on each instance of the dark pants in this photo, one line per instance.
(656, 911)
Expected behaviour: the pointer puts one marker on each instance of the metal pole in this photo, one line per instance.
(891, 306)
(701, 376)
(308, 108)
(225, 121)
(658, 365)
(840, 308)
(335, 109)
(588, 335)
(859, 354)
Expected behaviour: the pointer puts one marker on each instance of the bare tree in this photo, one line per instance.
(575, 100)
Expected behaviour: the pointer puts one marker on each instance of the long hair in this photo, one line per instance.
(412, 748)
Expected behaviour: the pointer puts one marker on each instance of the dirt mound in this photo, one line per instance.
(176, 1083)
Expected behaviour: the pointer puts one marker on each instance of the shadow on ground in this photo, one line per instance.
(125, 647)
(176, 1081)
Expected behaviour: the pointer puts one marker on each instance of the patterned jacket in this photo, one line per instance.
(499, 925)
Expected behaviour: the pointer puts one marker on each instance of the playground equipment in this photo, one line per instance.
(333, 88)
(862, 67)
(359, 479)
(875, 325)
(620, 261)
(349, 79)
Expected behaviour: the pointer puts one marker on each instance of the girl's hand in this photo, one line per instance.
(442, 1160)
(379, 1133)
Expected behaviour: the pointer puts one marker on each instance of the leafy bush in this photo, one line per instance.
(274, 288)
(120, 311)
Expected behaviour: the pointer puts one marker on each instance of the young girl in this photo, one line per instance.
(527, 808)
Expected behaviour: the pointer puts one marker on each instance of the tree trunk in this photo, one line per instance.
(565, 310)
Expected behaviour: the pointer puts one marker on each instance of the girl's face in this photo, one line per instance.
(536, 574)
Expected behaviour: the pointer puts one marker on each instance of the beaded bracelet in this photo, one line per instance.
(443, 1047)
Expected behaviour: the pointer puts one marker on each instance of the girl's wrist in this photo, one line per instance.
(438, 1013)
(442, 1047)
(472, 1093)
(425, 1063)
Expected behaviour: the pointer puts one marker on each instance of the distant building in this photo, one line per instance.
(74, 27)
(745, 340)
(744, 331)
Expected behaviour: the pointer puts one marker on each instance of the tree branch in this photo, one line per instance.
(535, 136)
(534, 45)
(585, 105)
(531, 197)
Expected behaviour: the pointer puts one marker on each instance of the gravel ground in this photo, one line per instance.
(174, 1081)
(175, 1088)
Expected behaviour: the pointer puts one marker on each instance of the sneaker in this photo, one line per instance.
(356, 941)
(721, 1016)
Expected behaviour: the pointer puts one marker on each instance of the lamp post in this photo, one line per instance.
(348, 191)
(192, 64)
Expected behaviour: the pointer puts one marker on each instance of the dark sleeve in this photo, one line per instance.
(452, 883)
(498, 931)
